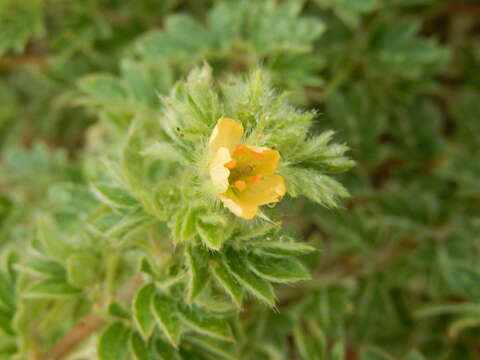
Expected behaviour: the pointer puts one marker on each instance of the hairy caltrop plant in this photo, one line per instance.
(175, 180)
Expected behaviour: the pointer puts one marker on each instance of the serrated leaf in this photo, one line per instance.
(188, 228)
(142, 313)
(283, 248)
(164, 152)
(51, 288)
(167, 351)
(117, 310)
(113, 343)
(147, 268)
(226, 279)
(218, 348)
(167, 317)
(198, 267)
(257, 231)
(142, 350)
(350, 11)
(253, 283)
(113, 195)
(314, 185)
(210, 235)
(44, 268)
(137, 80)
(280, 270)
(103, 87)
(50, 239)
(179, 224)
(205, 323)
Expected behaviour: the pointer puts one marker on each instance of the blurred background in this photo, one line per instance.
(398, 274)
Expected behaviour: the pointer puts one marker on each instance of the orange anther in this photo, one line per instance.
(231, 164)
(247, 169)
(240, 185)
(239, 149)
(255, 178)
(255, 153)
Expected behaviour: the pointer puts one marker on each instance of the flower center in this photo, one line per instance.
(242, 168)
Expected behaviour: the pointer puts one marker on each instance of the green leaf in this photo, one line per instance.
(197, 260)
(280, 270)
(314, 185)
(164, 152)
(20, 22)
(142, 313)
(113, 195)
(464, 280)
(188, 229)
(167, 317)
(5, 322)
(44, 268)
(7, 292)
(103, 87)
(253, 283)
(210, 235)
(414, 355)
(204, 323)
(142, 350)
(350, 11)
(283, 248)
(311, 343)
(82, 269)
(51, 288)
(137, 80)
(117, 310)
(113, 343)
(50, 239)
(338, 351)
(226, 279)
(218, 348)
(147, 268)
(167, 351)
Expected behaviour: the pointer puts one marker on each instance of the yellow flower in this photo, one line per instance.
(243, 176)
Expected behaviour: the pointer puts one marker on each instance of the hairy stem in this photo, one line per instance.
(88, 325)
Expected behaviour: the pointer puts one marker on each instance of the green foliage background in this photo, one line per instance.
(106, 220)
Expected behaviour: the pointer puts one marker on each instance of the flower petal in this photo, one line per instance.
(218, 172)
(271, 188)
(267, 163)
(233, 203)
(227, 133)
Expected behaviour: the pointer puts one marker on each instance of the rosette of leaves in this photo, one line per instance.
(201, 262)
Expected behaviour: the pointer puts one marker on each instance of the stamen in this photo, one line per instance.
(247, 169)
(239, 149)
(255, 178)
(231, 164)
(240, 185)
(255, 153)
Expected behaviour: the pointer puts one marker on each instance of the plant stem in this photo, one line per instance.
(88, 325)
